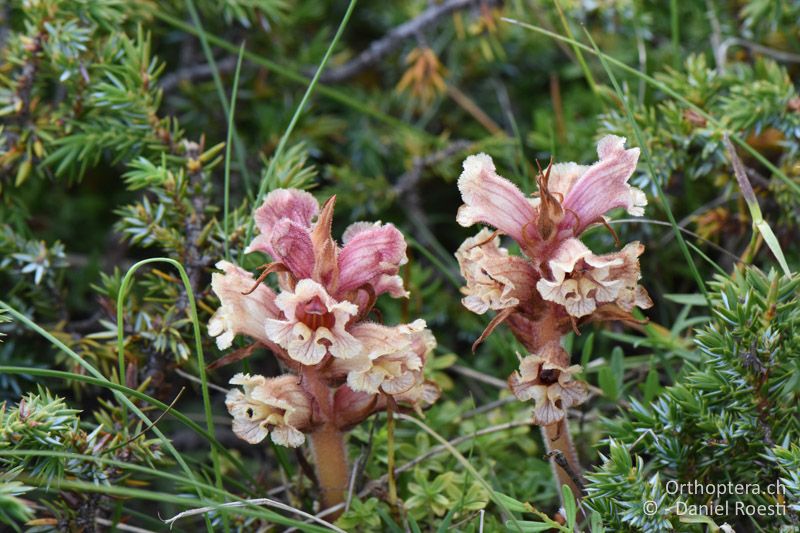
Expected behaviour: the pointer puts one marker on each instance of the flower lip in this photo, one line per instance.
(314, 324)
(548, 376)
(314, 314)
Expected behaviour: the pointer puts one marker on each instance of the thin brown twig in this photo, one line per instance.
(468, 105)
(488, 407)
(393, 39)
(780, 55)
(195, 72)
(378, 483)
(479, 376)
(149, 427)
(372, 485)
(195, 379)
(409, 180)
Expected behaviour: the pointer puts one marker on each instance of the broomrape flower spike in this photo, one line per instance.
(557, 283)
(343, 366)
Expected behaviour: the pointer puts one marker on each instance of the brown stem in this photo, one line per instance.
(327, 444)
(563, 458)
(330, 458)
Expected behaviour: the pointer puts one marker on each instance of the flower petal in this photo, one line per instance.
(298, 206)
(239, 313)
(495, 279)
(368, 255)
(493, 200)
(314, 324)
(306, 346)
(288, 436)
(547, 413)
(279, 405)
(396, 357)
(326, 268)
(291, 245)
(604, 186)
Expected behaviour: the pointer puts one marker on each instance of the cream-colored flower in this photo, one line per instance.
(314, 325)
(546, 379)
(239, 313)
(495, 279)
(580, 280)
(393, 357)
(420, 396)
(278, 407)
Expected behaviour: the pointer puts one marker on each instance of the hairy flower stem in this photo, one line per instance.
(563, 458)
(327, 444)
(557, 440)
(330, 459)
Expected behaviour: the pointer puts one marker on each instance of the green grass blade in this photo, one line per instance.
(231, 129)
(185, 501)
(292, 75)
(201, 34)
(759, 224)
(126, 282)
(300, 107)
(676, 33)
(578, 54)
(666, 90)
(97, 374)
(653, 174)
(444, 269)
(185, 420)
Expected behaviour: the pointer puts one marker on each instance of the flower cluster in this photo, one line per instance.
(558, 283)
(344, 366)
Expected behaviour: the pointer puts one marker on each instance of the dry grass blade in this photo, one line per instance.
(257, 501)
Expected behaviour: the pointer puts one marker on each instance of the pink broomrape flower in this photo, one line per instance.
(571, 198)
(557, 283)
(368, 261)
(582, 280)
(316, 323)
(392, 360)
(495, 279)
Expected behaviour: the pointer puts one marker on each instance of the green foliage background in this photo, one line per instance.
(113, 129)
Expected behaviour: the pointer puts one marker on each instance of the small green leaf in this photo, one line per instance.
(605, 378)
(569, 506)
(529, 526)
(511, 503)
(618, 364)
(687, 299)
(774, 246)
(586, 351)
(596, 524)
(651, 385)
